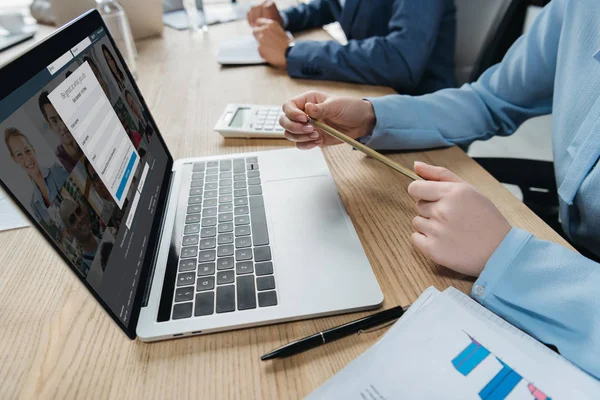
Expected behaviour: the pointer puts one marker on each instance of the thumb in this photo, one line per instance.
(319, 111)
(433, 173)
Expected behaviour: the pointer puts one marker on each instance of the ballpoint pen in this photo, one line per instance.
(329, 335)
(365, 149)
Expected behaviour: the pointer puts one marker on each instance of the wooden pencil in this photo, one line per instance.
(365, 149)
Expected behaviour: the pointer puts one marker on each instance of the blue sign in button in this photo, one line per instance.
(126, 175)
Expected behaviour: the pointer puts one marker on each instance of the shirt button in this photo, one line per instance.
(479, 290)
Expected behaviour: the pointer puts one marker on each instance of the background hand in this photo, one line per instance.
(267, 9)
(272, 42)
(456, 226)
(353, 117)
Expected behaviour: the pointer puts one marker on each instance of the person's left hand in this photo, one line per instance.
(456, 226)
(272, 42)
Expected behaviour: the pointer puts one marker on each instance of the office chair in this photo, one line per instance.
(485, 31)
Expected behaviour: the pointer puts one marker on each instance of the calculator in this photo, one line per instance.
(250, 121)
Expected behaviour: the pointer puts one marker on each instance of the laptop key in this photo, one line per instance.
(210, 193)
(242, 210)
(253, 181)
(243, 230)
(224, 251)
(192, 218)
(264, 268)
(196, 192)
(212, 171)
(239, 185)
(251, 160)
(206, 255)
(188, 252)
(265, 283)
(253, 174)
(205, 283)
(225, 175)
(260, 233)
(239, 177)
(210, 202)
(189, 229)
(225, 299)
(239, 166)
(225, 227)
(187, 265)
(262, 253)
(225, 182)
(242, 242)
(197, 183)
(209, 221)
(195, 200)
(244, 267)
(191, 240)
(199, 166)
(209, 243)
(212, 178)
(209, 212)
(254, 190)
(197, 175)
(246, 293)
(225, 238)
(252, 167)
(225, 217)
(211, 186)
(225, 263)
(194, 209)
(212, 164)
(182, 310)
(224, 277)
(186, 279)
(242, 220)
(225, 165)
(225, 190)
(206, 269)
(240, 201)
(225, 207)
(267, 299)
(205, 304)
(226, 198)
(184, 294)
(243, 254)
(208, 232)
(240, 193)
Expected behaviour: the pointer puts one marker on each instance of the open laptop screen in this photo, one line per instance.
(81, 155)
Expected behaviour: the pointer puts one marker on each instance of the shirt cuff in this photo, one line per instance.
(501, 259)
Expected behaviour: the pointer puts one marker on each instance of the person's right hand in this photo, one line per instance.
(266, 9)
(353, 117)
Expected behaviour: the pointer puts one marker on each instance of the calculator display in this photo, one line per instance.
(240, 117)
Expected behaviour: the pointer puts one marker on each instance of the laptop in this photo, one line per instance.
(169, 248)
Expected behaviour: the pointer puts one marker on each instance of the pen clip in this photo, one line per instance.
(376, 328)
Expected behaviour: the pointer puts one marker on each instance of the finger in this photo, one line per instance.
(295, 127)
(306, 145)
(293, 137)
(293, 111)
(319, 111)
(423, 225)
(428, 190)
(264, 22)
(311, 96)
(425, 208)
(422, 243)
(433, 173)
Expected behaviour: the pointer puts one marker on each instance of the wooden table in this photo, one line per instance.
(57, 342)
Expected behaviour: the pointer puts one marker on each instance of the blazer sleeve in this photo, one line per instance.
(548, 291)
(397, 60)
(306, 16)
(507, 94)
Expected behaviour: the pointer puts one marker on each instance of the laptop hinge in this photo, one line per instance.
(160, 237)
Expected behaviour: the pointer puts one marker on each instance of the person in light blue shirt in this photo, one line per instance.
(544, 288)
(407, 45)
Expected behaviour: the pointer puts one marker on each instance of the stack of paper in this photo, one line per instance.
(10, 216)
(447, 346)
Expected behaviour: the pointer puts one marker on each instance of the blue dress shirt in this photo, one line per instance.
(545, 289)
(404, 44)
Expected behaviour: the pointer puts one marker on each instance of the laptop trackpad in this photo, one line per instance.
(310, 230)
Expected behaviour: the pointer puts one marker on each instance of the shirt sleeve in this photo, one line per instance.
(548, 291)
(397, 60)
(306, 16)
(507, 94)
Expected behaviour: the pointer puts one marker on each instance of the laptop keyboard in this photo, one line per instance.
(225, 263)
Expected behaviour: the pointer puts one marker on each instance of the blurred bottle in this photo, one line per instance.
(115, 19)
(195, 13)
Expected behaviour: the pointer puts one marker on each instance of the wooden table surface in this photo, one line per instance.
(57, 342)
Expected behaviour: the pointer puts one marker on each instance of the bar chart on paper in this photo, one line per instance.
(500, 385)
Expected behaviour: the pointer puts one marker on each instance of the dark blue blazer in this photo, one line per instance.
(404, 44)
